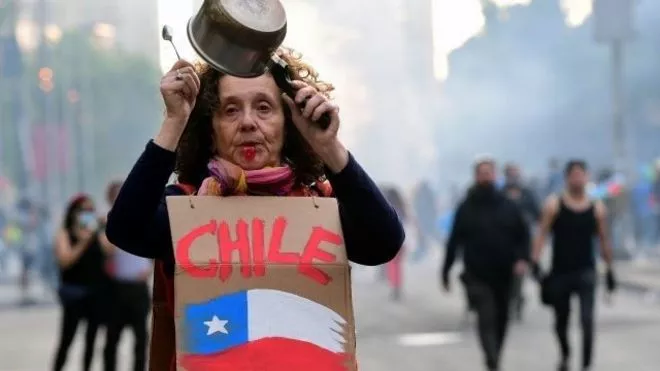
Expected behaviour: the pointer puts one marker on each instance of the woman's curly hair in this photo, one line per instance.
(196, 144)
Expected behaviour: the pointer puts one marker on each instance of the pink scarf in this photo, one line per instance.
(228, 179)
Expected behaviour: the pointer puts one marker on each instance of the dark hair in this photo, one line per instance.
(72, 210)
(575, 164)
(196, 144)
(481, 161)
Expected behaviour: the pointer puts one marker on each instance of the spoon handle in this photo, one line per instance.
(175, 51)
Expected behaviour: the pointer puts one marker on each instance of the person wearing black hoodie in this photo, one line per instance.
(493, 238)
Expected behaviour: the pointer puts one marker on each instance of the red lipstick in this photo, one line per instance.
(249, 152)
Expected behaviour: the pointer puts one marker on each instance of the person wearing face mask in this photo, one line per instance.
(224, 136)
(574, 220)
(490, 232)
(81, 249)
(526, 200)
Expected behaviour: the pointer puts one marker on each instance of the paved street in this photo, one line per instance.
(629, 332)
(422, 333)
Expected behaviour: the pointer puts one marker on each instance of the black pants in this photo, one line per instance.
(131, 308)
(73, 311)
(491, 300)
(583, 284)
(517, 296)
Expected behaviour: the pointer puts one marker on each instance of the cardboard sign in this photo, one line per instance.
(261, 284)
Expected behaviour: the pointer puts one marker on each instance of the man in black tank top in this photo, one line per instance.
(574, 220)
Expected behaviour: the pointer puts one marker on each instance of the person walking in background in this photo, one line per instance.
(46, 230)
(131, 301)
(526, 201)
(492, 235)
(574, 220)
(81, 249)
(3, 246)
(28, 222)
(655, 201)
(426, 215)
(394, 268)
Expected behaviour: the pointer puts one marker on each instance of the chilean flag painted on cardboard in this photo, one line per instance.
(262, 329)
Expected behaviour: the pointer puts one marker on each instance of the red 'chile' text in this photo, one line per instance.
(254, 250)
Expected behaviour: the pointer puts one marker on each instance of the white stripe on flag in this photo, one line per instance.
(273, 313)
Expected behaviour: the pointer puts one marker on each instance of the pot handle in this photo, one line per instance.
(280, 72)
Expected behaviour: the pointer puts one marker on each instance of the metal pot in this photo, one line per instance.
(238, 37)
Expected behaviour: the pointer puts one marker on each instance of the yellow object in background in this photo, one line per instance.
(12, 234)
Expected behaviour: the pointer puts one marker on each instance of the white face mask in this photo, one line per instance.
(88, 220)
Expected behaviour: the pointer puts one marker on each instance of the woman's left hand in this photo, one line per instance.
(324, 142)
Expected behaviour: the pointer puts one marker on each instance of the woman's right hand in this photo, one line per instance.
(179, 88)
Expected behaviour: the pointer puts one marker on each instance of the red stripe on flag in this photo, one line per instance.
(272, 354)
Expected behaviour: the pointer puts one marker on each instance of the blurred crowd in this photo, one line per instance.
(96, 283)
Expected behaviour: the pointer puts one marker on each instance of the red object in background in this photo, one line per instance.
(42, 138)
(614, 189)
(39, 149)
(394, 270)
(63, 148)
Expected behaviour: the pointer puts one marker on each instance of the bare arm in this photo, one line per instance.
(603, 233)
(548, 214)
(106, 245)
(66, 253)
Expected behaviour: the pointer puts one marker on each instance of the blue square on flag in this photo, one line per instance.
(216, 325)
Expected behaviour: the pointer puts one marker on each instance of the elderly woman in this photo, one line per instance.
(220, 129)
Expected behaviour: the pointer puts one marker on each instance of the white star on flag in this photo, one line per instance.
(216, 325)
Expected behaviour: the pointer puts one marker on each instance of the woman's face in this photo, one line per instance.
(87, 215)
(249, 126)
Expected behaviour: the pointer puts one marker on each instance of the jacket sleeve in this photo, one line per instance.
(373, 233)
(138, 221)
(532, 205)
(455, 240)
(522, 235)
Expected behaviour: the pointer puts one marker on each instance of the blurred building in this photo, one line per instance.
(132, 24)
(531, 87)
(388, 46)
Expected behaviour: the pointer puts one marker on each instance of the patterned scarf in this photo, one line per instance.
(228, 179)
